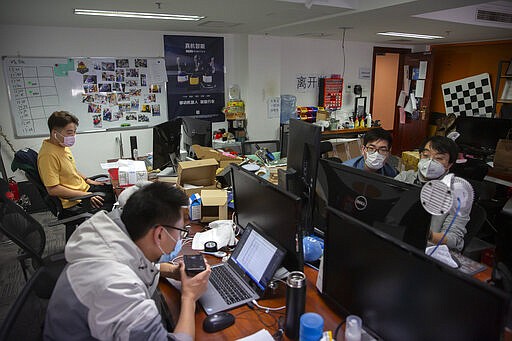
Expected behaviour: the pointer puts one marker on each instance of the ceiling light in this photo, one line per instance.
(142, 15)
(409, 35)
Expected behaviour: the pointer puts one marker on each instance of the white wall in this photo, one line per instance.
(91, 148)
(263, 66)
(275, 62)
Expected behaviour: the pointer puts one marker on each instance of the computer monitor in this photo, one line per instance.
(272, 209)
(166, 144)
(302, 164)
(481, 133)
(402, 294)
(382, 202)
(196, 131)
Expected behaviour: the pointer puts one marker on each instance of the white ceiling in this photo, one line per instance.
(274, 17)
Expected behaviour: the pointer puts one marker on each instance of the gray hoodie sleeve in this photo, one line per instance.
(455, 237)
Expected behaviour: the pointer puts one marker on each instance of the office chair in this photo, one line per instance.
(249, 147)
(477, 218)
(325, 148)
(25, 319)
(26, 232)
(26, 160)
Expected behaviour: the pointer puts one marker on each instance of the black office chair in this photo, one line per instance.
(477, 218)
(26, 160)
(249, 147)
(27, 233)
(25, 319)
(325, 148)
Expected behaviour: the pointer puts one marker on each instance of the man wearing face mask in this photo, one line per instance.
(375, 151)
(58, 170)
(105, 291)
(437, 155)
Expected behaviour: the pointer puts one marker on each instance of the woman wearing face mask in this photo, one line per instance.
(58, 170)
(375, 152)
(437, 155)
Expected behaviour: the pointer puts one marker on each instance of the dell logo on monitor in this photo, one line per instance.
(360, 203)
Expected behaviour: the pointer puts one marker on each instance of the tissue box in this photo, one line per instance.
(346, 149)
(214, 205)
(194, 176)
(130, 172)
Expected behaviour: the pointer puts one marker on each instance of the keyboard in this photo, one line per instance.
(227, 286)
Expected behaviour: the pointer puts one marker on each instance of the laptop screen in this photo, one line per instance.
(257, 256)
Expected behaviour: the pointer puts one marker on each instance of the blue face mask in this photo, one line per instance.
(167, 257)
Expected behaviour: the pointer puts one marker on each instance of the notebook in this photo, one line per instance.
(245, 276)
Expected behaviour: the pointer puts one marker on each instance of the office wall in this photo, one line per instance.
(456, 61)
(93, 148)
(275, 62)
(263, 66)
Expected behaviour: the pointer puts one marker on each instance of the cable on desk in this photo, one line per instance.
(278, 335)
(267, 309)
(337, 330)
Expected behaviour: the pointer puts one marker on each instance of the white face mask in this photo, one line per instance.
(374, 160)
(431, 169)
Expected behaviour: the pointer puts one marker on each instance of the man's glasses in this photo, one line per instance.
(183, 232)
(381, 151)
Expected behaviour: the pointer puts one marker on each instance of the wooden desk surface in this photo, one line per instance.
(249, 321)
(330, 134)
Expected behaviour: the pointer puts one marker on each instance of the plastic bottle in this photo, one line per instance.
(356, 123)
(353, 328)
(311, 327)
(369, 120)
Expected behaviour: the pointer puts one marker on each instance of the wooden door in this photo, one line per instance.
(409, 135)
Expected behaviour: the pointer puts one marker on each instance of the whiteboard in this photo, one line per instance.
(104, 93)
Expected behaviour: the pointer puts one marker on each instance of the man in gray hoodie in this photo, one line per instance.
(105, 290)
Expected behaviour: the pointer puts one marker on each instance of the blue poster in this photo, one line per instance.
(195, 72)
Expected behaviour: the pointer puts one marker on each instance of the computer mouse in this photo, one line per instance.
(218, 321)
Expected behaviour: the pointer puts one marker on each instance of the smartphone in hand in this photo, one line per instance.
(194, 264)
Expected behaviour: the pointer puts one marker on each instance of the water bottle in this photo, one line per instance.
(288, 108)
(295, 302)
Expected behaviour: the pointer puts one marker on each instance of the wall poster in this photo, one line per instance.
(195, 70)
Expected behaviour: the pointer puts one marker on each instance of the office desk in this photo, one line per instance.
(343, 133)
(247, 321)
(500, 178)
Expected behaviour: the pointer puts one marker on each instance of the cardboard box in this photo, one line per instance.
(194, 176)
(214, 205)
(209, 153)
(322, 115)
(346, 149)
(409, 161)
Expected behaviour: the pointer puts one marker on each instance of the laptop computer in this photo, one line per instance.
(245, 276)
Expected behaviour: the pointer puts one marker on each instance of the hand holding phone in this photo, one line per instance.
(194, 264)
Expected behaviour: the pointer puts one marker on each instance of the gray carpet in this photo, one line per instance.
(11, 275)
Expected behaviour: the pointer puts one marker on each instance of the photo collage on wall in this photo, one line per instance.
(119, 90)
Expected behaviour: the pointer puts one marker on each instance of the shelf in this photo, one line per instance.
(504, 101)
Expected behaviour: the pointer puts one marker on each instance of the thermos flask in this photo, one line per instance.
(295, 303)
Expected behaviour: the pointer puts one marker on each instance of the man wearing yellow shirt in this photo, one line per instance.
(58, 170)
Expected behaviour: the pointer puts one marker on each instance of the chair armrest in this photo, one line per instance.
(64, 221)
(87, 196)
(100, 177)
